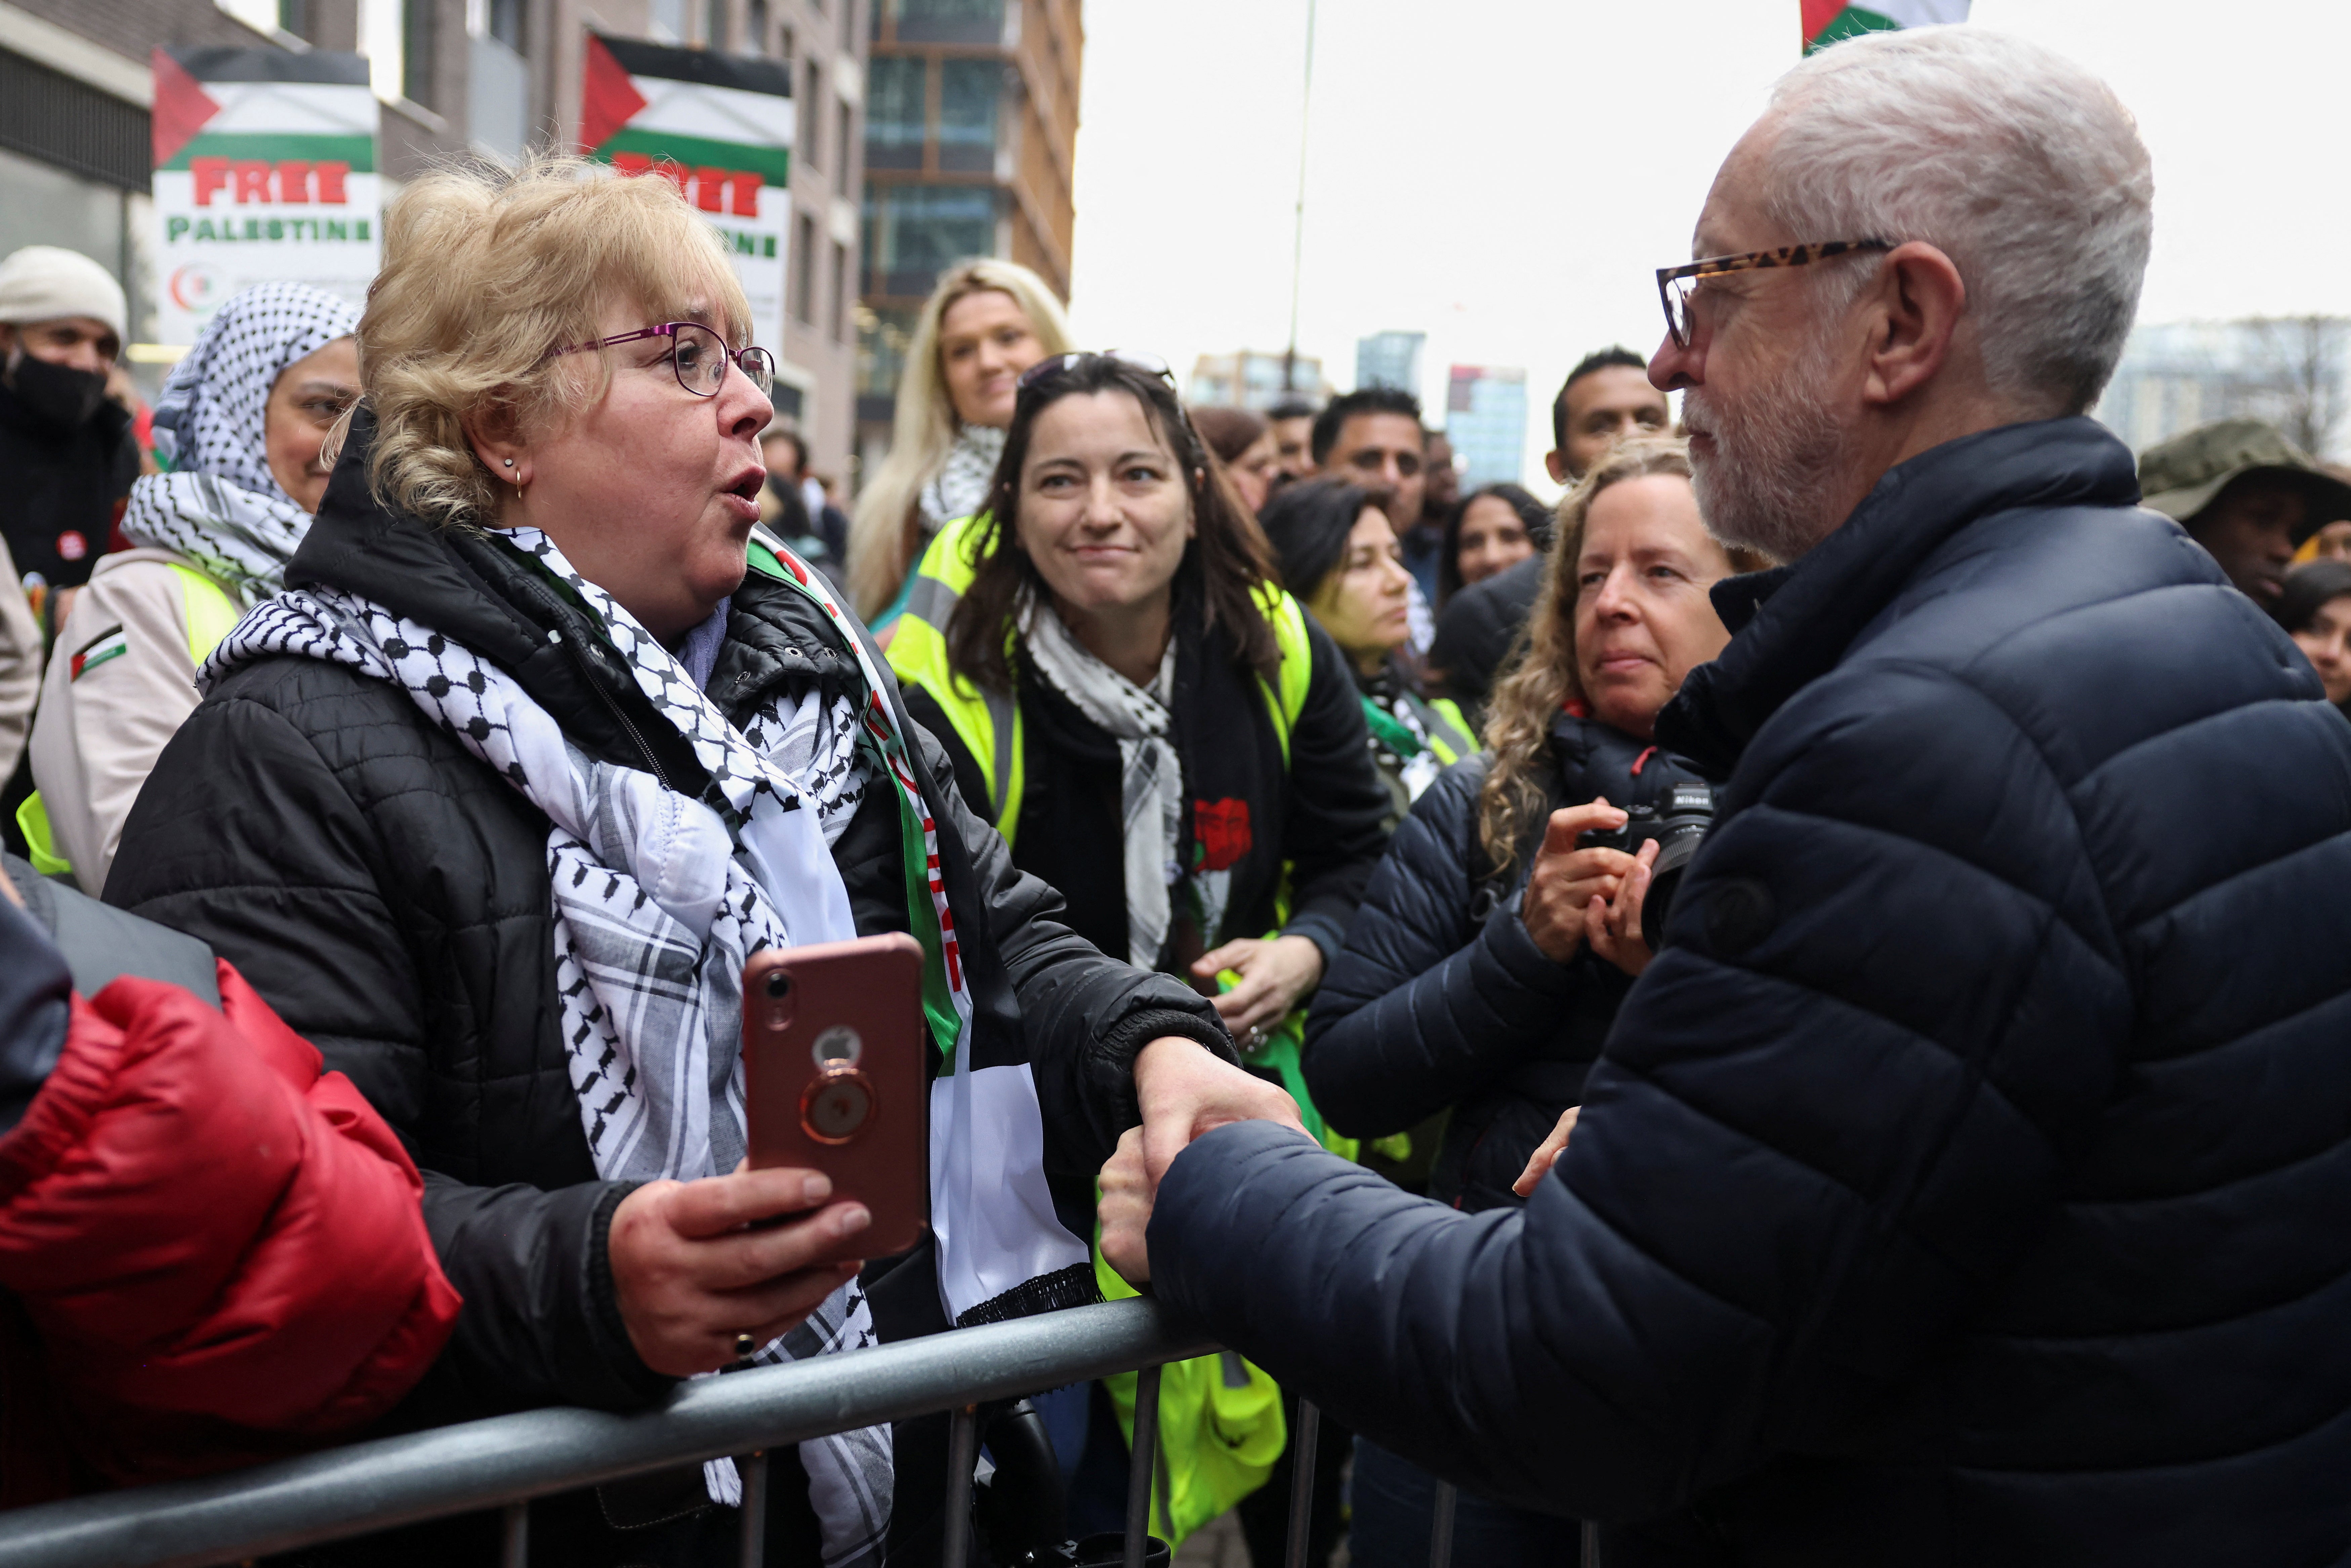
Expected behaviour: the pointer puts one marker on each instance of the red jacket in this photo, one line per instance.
(217, 1250)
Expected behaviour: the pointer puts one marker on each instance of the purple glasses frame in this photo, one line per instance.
(757, 365)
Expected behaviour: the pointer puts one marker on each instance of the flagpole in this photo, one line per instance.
(1298, 227)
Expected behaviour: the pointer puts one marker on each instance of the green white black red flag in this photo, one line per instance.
(721, 127)
(1826, 21)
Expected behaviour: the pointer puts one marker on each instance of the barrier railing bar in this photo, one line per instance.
(1302, 1444)
(754, 1510)
(1440, 1527)
(513, 1536)
(367, 1487)
(1142, 1465)
(963, 1457)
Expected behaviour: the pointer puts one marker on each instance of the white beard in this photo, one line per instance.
(1769, 479)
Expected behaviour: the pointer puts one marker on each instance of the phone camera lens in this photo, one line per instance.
(779, 983)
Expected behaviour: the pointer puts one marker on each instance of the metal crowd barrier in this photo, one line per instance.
(504, 1461)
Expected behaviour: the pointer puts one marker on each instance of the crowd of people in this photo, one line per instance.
(1781, 1009)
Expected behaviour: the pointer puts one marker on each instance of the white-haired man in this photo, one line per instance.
(1968, 1178)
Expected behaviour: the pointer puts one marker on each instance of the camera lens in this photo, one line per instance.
(779, 983)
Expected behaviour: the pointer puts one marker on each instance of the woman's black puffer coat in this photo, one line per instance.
(387, 894)
(1441, 998)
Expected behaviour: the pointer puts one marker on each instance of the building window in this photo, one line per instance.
(666, 21)
(914, 232)
(294, 16)
(840, 292)
(713, 24)
(893, 112)
(811, 117)
(416, 41)
(804, 283)
(950, 21)
(841, 133)
(758, 42)
(504, 22)
(968, 95)
(848, 26)
(882, 339)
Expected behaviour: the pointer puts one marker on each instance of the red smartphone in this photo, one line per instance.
(836, 1078)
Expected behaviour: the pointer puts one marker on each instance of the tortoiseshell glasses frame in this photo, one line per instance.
(1676, 285)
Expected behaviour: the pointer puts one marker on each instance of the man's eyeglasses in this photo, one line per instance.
(1678, 286)
(698, 356)
(1054, 364)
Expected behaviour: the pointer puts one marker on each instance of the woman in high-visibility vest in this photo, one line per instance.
(1154, 726)
(244, 421)
(1339, 555)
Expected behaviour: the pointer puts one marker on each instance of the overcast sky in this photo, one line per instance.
(1506, 175)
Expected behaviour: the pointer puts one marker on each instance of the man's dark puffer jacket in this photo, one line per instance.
(387, 894)
(1968, 1181)
(1441, 998)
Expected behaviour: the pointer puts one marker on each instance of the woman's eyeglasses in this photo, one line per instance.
(698, 357)
(1054, 364)
(1677, 285)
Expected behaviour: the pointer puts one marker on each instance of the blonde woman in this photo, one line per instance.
(985, 323)
(1491, 953)
(492, 803)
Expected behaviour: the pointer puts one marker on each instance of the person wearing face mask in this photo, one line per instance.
(65, 446)
(1161, 734)
(1487, 961)
(986, 323)
(245, 420)
(1338, 555)
(545, 736)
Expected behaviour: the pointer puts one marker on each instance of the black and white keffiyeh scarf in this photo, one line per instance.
(1151, 774)
(959, 488)
(659, 898)
(221, 506)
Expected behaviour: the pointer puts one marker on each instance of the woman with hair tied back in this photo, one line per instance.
(1491, 953)
(985, 323)
(1157, 729)
(543, 739)
(1340, 556)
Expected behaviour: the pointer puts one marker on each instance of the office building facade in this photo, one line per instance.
(489, 77)
(1486, 420)
(1253, 379)
(1389, 359)
(971, 131)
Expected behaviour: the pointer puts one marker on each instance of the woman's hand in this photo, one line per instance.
(1546, 1154)
(1183, 1091)
(1275, 972)
(1612, 926)
(1566, 878)
(691, 1274)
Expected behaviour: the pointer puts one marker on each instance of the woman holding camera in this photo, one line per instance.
(1492, 951)
(542, 741)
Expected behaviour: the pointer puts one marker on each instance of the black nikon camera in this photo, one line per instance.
(1678, 823)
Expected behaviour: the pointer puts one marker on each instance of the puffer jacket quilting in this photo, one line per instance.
(1968, 1181)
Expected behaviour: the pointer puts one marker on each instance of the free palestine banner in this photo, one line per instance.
(1826, 21)
(720, 126)
(265, 173)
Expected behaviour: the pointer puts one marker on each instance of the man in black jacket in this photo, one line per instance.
(65, 447)
(1964, 1180)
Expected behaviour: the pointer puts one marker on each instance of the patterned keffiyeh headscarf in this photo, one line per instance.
(220, 505)
(959, 489)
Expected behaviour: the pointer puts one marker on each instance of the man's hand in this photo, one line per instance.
(1125, 1210)
(1612, 926)
(1565, 879)
(1275, 972)
(1184, 1091)
(1546, 1154)
(692, 1275)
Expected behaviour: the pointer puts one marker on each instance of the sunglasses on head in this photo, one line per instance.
(1054, 364)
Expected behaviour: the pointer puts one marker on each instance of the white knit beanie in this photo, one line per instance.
(44, 282)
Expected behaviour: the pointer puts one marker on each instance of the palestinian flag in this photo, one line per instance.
(720, 126)
(111, 644)
(1827, 21)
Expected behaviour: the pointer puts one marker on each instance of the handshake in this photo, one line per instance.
(1183, 1093)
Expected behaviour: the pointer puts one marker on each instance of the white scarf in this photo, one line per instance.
(659, 899)
(243, 537)
(1150, 775)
